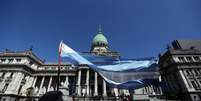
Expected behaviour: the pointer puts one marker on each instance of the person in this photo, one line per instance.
(52, 96)
(124, 98)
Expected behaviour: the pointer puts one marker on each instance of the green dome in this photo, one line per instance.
(100, 39)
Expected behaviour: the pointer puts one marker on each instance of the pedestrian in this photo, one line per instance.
(52, 96)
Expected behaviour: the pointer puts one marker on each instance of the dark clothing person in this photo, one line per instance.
(52, 96)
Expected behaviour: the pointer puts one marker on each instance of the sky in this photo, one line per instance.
(135, 28)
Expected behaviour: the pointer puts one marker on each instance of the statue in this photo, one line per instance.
(43, 90)
(84, 92)
(64, 85)
(36, 91)
(30, 91)
(51, 89)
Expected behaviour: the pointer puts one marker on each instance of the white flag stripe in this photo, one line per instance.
(68, 52)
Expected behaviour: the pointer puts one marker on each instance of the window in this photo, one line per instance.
(18, 60)
(31, 63)
(189, 59)
(10, 60)
(194, 84)
(46, 68)
(11, 75)
(188, 72)
(196, 58)
(5, 87)
(3, 75)
(66, 67)
(200, 82)
(196, 72)
(181, 59)
(3, 60)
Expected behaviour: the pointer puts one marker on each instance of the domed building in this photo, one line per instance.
(100, 46)
(22, 70)
(100, 39)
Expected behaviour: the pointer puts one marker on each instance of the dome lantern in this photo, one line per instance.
(100, 39)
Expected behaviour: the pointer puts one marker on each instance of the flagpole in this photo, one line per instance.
(59, 67)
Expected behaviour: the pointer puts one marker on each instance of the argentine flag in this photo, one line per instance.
(126, 74)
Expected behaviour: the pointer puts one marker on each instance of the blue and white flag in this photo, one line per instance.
(128, 74)
(66, 51)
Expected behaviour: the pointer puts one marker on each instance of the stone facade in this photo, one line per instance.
(23, 74)
(19, 71)
(180, 68)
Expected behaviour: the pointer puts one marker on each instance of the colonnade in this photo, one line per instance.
(91, 85)
(42, 89)
(79, 88)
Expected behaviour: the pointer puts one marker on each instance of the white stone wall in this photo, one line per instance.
(15, 83)
(28, 84)
(2, 84)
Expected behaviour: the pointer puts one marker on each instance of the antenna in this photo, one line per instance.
(99, 28)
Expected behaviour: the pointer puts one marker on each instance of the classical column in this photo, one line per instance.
(29, 81)
(185, 81)
(149, 89)
(50, 82)
(87, 82)
(116, 92)
(104, 88)
(78, 83)
(3, 82)
(160, 90)
(152, 88)
(14, 85)
(35, 78)
(96, 85)
(66, 83)
(126, 92)
(14, 61)
(41, 85)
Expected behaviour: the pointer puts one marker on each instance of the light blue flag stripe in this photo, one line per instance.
(121, 74)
